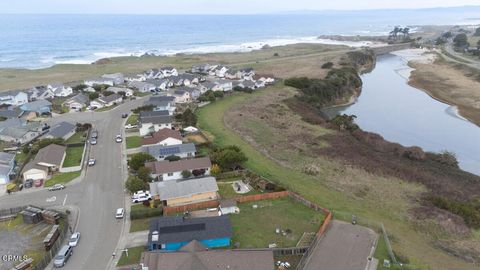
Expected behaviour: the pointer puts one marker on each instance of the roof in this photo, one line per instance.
(36, 105)
(6, 158)
(80, 98)
(156, 119)
(51, 154)
(161, 167)
(118, 89)
(110, 98)
(199, 259)
(161, 135)
(33, 165)
(19, 131)
(168, 150)
(5, 169)
(228, 203)
(61, 129)
(160, 100)
(168, 190)
(176, 229)
(11, 113)
(153, 113)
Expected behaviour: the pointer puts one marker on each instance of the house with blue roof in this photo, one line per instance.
(171, 233)
(39, 106)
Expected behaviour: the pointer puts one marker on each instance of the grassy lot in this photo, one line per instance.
(78, 137)
(134, 256)
(73, 156)
(132, 119)
(133, 141)
(226, 191)
(142, 224)
(138, 225)
(61, 178)
(21, 157)
(406, 240)
(255, 228)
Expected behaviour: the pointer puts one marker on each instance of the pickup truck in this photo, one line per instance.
(141, 197)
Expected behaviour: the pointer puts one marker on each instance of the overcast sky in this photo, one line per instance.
(211, 6)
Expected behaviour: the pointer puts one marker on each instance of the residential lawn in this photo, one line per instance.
(78, 137)
(255, 228)
(133, 141)
(104, 109)
(134, 255)
(132, 119)
(226, 191)
(61, 178)
(138, 225)
(21, 157)
(73, 156)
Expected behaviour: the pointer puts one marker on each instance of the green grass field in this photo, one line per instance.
(73, 156)
(134, 256)
(104, 109)
(138, 225)
(255, 228)
(133, 141)
(21, 157)
(132, 119)
(61, 178)
(78, 137)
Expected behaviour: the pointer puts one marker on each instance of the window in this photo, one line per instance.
(189, 154)
(170, 174)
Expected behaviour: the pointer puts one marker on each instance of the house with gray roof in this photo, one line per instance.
(63, 130)
(172, 170)
(60, 90)
(11, 112)
(188, 191)
(99, 81)
(48, 159)
(39, 107)
(117, 78)
(7, 165)
(143, 87)
(40, 92)
(21, 134)
(77, 102)
(106, 101)
(118, 90)
(162, 103)
(15, 98)
(154, 122)
(160, 152)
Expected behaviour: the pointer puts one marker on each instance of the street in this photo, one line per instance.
(99, 194)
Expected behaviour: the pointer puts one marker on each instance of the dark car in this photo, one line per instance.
(124, 115)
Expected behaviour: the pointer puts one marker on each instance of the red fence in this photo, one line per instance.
(189, 207)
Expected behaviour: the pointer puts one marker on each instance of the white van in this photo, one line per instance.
(120, 213)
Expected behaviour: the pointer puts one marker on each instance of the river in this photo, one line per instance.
(406, 115)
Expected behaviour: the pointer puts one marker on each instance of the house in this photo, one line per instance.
(206, 86)
(182, 96)
(143, 87)
(7, 164)
(246, 84)
(60, 90)
(150, 123)
(39, 107)
(195, 256)
(162, 103)
(12, 122)
(202, 68)
(173, 232)
(106, 101)
(135, 77)
(172, 170)
(78, 102)
(15, 98)
(164, 137)
(219, 71)
(233, 74)
(182, 192)
(11, 112)
(168, 71)
(118, 90)
(194, 92)
(153, 73)
(99, 81)
(40, 92)
(162, 84)
(62, 130)
(266, 79)
(229, 206)
(117, 78)
(48, 159)
(223, 85)
(21, 134)
(160, 152)
(189, 79)
(247, 73)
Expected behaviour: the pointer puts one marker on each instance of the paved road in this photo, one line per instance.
(465, 60)
(343, 247)
(97, 196)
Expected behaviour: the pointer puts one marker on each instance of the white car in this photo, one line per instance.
(119, 213)
(141, 197)
(118, 138)
(130, 126)
(73, 241)
(56, 187)
(93, 142)
(91, 162)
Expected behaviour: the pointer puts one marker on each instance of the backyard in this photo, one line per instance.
(226, 190)
(61, 178)
(73, 156)
(256, 228)
(133, 142)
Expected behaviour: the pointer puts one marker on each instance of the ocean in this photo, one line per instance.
(38, 41)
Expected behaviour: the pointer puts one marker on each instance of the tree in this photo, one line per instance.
(345, 122)
(186, 174)
(138, 160)
(187, 118)
(122, 93)
(79, 87)
(327, 65)
(134, 184)
(215, 169)
(218, 94)
(228, 157)
(172, 158)
(93, 96)
(477, 32)
(144, 174)
(478, 44)
(461, 40)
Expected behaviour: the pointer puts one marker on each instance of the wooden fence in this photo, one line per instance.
(259, 197)
(189, 207)
(11, 211)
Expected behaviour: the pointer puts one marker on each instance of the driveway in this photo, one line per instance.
(97, 196)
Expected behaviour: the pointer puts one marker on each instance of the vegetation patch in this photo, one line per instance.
(78, 137)
(73, 156)
(132, 119)
(61, 178)
(133, 141)
(133, 258)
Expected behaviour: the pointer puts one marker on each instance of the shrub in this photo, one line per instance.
(215, 169)
(345, 122)
(186, 174)
(327, 65)
(469, 211)
(145, 213)
(79, 87)
(138, 160)
(187, 118)
(218, 94)
(145, 108)
(144, 174)
(172, 158)
(134, 184)
(228, 157)
(93, 96)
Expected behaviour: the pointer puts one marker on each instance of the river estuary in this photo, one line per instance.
(401, 113)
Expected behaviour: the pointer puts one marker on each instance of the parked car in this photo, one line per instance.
(28, 183)
(119, 213)
(56, 187)
(93, 142)
(124, 115)
(94, 134)
(91, 162)
(73, 241)
(141, 197)
(130, 126)
(118, 138)
(62, 256)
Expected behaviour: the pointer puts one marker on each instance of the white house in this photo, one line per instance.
(21, 134)
(169, 71)
(182, 96)
(221, 71)
(167, 171)
(154, 122)
(143, 87)
(106, 101)
(39, 92)
(77, 102)
(117, 90)
(162, 103)
(233, 74)
(223, 85)
(15, 98)
(60, 90)
(7, 164)
(116, 77)
(99, 81)
(160, 152)
(48, 159)
(247, 73)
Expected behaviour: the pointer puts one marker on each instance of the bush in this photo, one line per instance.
(461, 40)
(187, 118)
(243, 89)
(228, 157)
(107, 93)
(327, 65)
(446, 158)
(469, 211)
(145, 108)
(144, 174)
(345, 122)
(93, 96)
(186, 174)
(138, 160)
(79, 87)
(145, 213)
(134, 184)
(172, 158)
